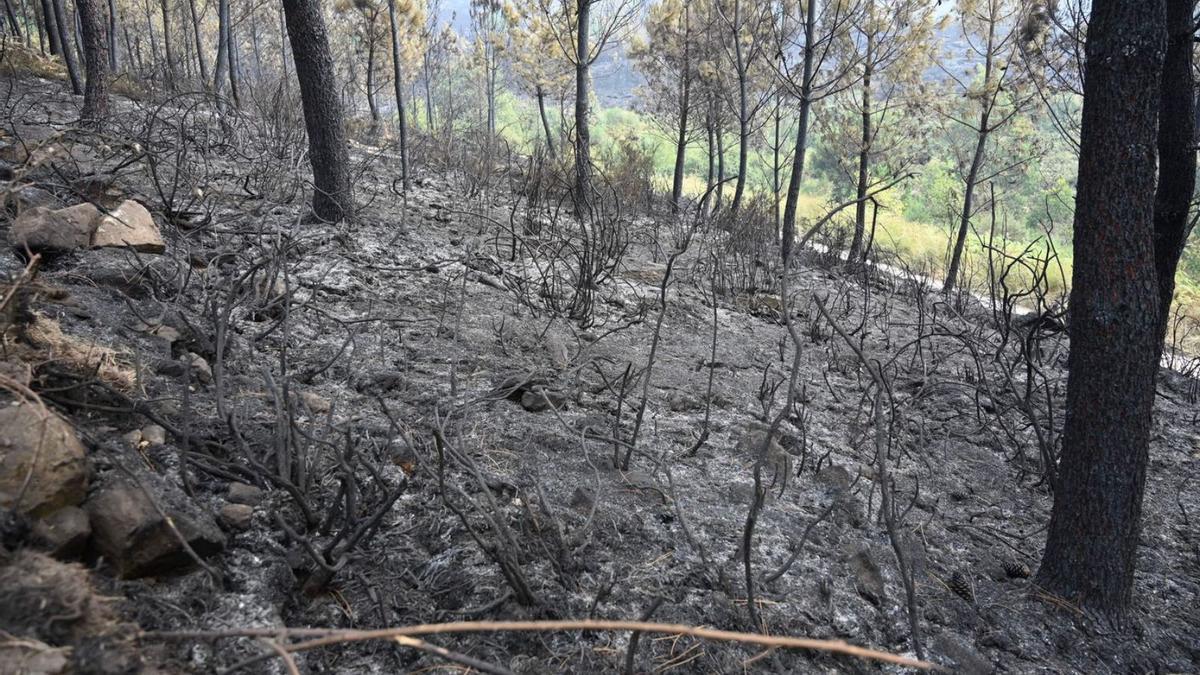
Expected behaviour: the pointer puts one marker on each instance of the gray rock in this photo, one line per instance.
(63, 534)
(868, 580)
(966, 660)
(236, 516)
(535, 400)
(129, 531)
(316, 404)
(154, 434)
(34, 438)
(44, 229)
(200, 368)
(241, 493)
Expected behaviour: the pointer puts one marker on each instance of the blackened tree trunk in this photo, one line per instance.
(1092, 540)
(64, 45)
(196, 33)
(112, 36)
(333, 199)
(398, 81)
(1176, 154)
(720, 132)
(14, 26)
(51, 27)
(220, 69)
(371, 48)
(685, 86)
(855, 255)
(806, 95)
(583, 137)
(551, 151)
(743, 110)
(95, 59)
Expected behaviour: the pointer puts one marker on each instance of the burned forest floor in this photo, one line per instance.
(421, 416)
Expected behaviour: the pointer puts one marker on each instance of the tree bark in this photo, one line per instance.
(95, 59)
(1095, 524)
(168, 50)
(196, 33)
(64, 45)
(219, 70)
(398, 81)
(333, 199)
(583, 137)
(112, 36)
(806, 92)
(371, 104)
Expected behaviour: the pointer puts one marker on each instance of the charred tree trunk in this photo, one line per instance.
(64, 45)
(371, 104)
(51, 27)
(168, 50)
(720, 165)
(1092, 540)
(685, 87)
(333, 199)
(806, 92)
(398, 81)
(855, 255)
(112, 36)
(551, 151)
(95, 59)
(583, 137)
(200, 60)
(743, 111)
(219, 70)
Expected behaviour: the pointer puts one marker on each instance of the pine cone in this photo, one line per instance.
(1017, 570)
(961, 585)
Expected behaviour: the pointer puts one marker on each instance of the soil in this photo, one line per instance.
(414, 324)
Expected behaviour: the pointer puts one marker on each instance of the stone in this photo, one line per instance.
(200, 368)
(29, 196)
(241, 493)
(45, 229)
(17, 371)
(868, 579)
(130, 533)
(154, 434)
(535, 400)
(128, 225)
(236, 516)
(33, 437)
(63, 534)
(316, 404)
(582, 498)
(965, 659)
(33, 657)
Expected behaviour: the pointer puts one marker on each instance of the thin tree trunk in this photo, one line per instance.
(112, 35)
(196, 33)
(168, 50)
(541, 101)
(583, 136)
(398, 82)
(708, 177)
(95, 58)
(64, 44)
(986, 101)
(371, 104)
(51, 27)
(235, 60)
(806, 92)
(775, 164)
(13, 25)
(219, 70)
(333, 198)
(39, 19)
(855, 255)
(720, 165)
(684, 106)
(1095, 523)
(743, 110)
(428, 93)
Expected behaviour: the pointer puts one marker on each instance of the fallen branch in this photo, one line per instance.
(323, 637)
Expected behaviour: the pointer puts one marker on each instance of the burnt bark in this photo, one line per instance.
(64, 45)
(806, 96)
(855, 255)
(329, 154)
(551, 151)
(398, 81)
(1095, 524)
(583, 137)
(95, 59)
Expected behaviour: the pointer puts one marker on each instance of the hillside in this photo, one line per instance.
(398, 421)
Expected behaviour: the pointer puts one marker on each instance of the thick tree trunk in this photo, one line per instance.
(64, 45)
(1092, 540)
(95, 59)
(855, 255)
(583, 137)
(806, 91)
(333, 199)
(398, 81)
(196, 33)
(541, 101)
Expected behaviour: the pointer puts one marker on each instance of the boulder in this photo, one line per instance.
(129, 531)
(38, 444)
(63, 534)
(130, 224)
(45, 229)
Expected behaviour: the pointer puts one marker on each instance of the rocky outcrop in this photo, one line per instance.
(42, 464)
(137, 541)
